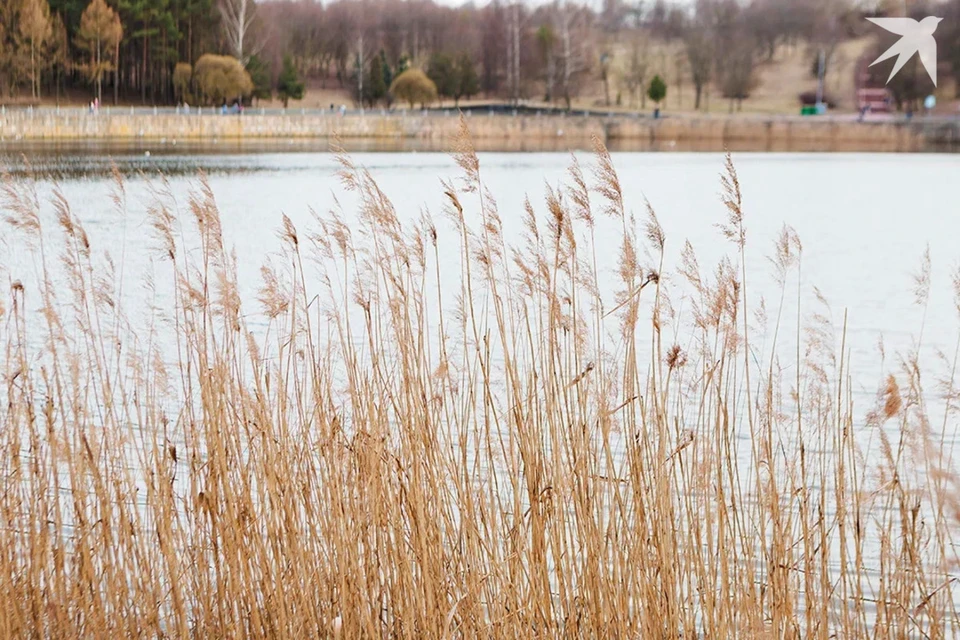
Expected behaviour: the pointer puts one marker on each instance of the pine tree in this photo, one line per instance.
(442, 71)
(658, 90)
(375, 87)
(9, 46)
(289, 85)
(260, 75)
(468, 83)
(387, 75)
(402, 65)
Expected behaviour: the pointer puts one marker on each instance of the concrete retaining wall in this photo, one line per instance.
(488, 131)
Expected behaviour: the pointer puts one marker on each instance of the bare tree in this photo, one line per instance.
(635, 77)
(361, 67)
(237, 19)
(546, 41)
(737, 76)
(699, 46)
(514, 41)
(493, 46)
(680, 68)
(572, 59)
(613, 14)
(605, 60)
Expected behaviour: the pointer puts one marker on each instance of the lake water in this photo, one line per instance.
(865, 220)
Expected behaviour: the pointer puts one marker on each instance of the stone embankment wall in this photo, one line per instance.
(505, 132)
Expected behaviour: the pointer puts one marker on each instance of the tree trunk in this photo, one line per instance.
(550, 74)
(99, 71)
(516, 53)
(696, 104)
(34, 84)
(143, 73)
(566, 59)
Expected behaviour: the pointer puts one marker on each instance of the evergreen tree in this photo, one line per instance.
(442, 71)
(657, 90)
(468, 83)
(261, 77)
(402, 65)
(70, 12)
(58, 51)
(9, 47)
(375, 87)
(289, 85)
(387, 74)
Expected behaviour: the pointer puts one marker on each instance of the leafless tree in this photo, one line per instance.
(635, 77)
(546, 43)
(237, 18)
(361, 67)
(698, 42)
(513, 38)
(737, 74)
(572, 58)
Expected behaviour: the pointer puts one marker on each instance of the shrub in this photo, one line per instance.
(413, 86)
(658, 89)
(809, 98)
(182, 81)
(221, 78)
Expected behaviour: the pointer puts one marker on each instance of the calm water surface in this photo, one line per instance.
(865, 220)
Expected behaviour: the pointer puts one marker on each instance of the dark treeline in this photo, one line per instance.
(211, 51)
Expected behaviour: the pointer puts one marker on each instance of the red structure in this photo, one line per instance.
(876, 100)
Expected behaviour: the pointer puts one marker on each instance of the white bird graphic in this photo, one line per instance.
(917, 38)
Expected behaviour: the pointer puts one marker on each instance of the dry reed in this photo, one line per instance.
(371, 467)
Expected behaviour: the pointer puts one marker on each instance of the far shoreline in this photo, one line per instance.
(169, 130)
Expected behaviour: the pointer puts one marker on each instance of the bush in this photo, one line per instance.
(182, 79)
(413, 86)
(658, 89)
(221, 78)
(809, 98)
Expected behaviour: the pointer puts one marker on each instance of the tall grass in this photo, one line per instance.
(539, 460)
